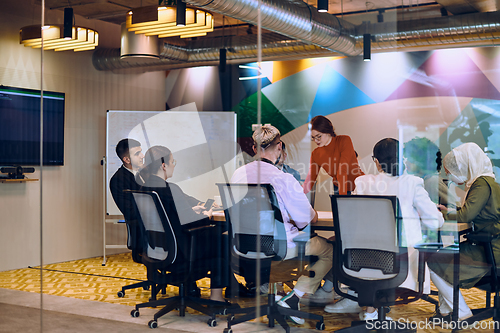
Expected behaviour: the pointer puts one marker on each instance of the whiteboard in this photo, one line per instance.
(203, 144)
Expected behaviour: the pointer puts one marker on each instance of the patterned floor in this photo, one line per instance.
(88, 279)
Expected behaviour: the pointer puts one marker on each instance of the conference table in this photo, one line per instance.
(325, 223)
(325, 219)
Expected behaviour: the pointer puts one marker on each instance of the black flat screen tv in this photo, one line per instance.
(20, 127)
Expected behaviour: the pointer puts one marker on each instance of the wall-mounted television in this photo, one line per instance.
(20, 127)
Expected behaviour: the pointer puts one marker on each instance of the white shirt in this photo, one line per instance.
(417, 210)
(131, 171)
(294, 204)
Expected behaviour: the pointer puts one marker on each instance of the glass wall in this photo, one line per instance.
(64, 230)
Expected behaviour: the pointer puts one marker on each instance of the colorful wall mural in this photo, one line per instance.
(449, 96)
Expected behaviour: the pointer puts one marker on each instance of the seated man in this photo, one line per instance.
(130, 153)
(296, 211)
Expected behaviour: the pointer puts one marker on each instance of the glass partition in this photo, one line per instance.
(63, 113)
(21, 176)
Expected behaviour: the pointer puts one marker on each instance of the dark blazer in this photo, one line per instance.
(124, 180)
(179, 209)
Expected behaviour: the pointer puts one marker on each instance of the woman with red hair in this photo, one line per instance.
(335, 154)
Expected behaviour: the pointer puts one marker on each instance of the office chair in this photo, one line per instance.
(133, 238)
(258, 238)
(160, 256)
(368, 256)
(489, 283)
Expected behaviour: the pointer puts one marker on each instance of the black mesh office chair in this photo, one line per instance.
(161, 256)
(133, 244)
(368, 256)
(258, 238)
(490, 283)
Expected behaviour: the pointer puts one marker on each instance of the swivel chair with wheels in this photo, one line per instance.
(489, 283)
(133, 239)
(368, 256)
(258, 238)
(162, 258)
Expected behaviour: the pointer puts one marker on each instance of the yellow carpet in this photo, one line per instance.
(88, 279)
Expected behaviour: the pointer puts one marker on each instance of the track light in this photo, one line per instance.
(68, 23)
(181, 14)
(222, 60)
(367, 47)
(322, 6)
(380, 16)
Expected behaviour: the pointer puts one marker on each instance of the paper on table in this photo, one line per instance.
(448, 240)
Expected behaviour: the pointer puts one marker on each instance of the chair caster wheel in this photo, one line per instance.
(120, 294)
(231, 318)
(212, 322)
(320, 326)
(153, 324)
(134, 313)
(228, 330)
(145, 288)
(223, 312)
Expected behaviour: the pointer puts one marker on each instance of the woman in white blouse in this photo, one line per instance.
(417, 209)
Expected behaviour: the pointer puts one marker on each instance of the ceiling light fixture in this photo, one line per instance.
(180, 17)
(322, 6)
(222, 60)
(166, 20)
(68, 23)
(81, 39)
(367, 47)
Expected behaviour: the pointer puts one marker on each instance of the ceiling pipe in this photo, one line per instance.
(206, 52)
(297, 21)
(479, 29)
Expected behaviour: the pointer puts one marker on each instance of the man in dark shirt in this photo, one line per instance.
(127, 177)
(130, 153)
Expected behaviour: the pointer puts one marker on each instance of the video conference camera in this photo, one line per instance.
(15, 171)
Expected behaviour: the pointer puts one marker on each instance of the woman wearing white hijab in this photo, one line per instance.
(467, 164)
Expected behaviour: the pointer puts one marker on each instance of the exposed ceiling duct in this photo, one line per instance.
(478, 29)
(298, 21)
(205, 52)
(311, 34)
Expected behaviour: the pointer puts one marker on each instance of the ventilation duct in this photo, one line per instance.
(479, 29)
(297, 21)
(206, 52)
